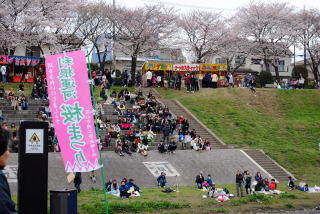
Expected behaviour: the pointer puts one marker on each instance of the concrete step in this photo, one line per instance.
(268, 164)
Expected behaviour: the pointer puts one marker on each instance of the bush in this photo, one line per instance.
(265, 77)
(299, 69)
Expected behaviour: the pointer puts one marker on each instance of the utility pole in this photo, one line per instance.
(113, 40)
(304, 43)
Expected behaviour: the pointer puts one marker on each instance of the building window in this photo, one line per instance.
(282, 66)
(240, 60)
(256, 61)
(33, 51)
(221, 61)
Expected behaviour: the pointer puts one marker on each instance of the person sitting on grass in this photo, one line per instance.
(10, 95)
(290, 183)
(273, 184)
(114, 187)
(210, 181)
(305, 188)
(162, 180)
(124, 190)
(131, 184)
(199, 180)
(258, 177)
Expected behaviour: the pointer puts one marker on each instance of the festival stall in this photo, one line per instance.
(158, 69)
(219, 69)
(184, 68)
(22, 68)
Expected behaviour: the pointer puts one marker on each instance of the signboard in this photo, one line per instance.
(157, 67)
(213, 67)
(34, 141)
(72, 112)
(186, 67)
(157, 167)
(3, 59)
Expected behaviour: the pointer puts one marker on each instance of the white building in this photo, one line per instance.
(255, 65)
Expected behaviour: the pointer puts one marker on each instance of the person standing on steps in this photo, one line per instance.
(239, 183)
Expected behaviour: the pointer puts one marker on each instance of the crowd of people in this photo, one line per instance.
(139, 120)
(18, 101)
(193, 81)
(126, 189)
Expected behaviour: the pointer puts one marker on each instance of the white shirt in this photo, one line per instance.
(149, 75)
(301, 80)
(3, 70)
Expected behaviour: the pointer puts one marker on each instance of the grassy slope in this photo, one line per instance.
(190, 200)
(285, 124)
(28, 88)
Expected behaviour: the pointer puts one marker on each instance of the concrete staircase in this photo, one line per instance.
(177, 109)
(15, 116)
(274, 169)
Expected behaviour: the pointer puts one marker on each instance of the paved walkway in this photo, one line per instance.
(221, 164)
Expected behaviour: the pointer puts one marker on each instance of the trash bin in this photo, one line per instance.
(63, 202)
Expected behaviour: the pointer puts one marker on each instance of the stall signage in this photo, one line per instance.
(24, 60)
(158, 66)
(213, 67)
(186, 67)
(3, 59)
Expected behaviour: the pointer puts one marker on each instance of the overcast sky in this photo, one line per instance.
(226, 5)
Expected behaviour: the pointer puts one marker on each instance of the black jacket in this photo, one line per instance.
(7, 206)
(199, 179)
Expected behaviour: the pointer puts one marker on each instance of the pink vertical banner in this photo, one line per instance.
(72, 112)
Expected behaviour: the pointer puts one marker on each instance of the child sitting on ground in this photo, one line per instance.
(290, 183)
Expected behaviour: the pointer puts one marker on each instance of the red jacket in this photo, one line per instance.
(273, 185)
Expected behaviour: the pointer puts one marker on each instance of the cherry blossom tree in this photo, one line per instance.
(231, 46)
(94, 27)
(202, 33)
(33, 22)
(269, 27)
(307, 28)
(142, 30)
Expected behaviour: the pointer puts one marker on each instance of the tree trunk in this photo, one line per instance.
(133, 69)
(276, 70)
(315, 71)
(98, 53)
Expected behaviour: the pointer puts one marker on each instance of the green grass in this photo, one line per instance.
(28, 88)
(189, 200)
(284, 123)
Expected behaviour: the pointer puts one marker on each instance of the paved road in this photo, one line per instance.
(180, 167)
